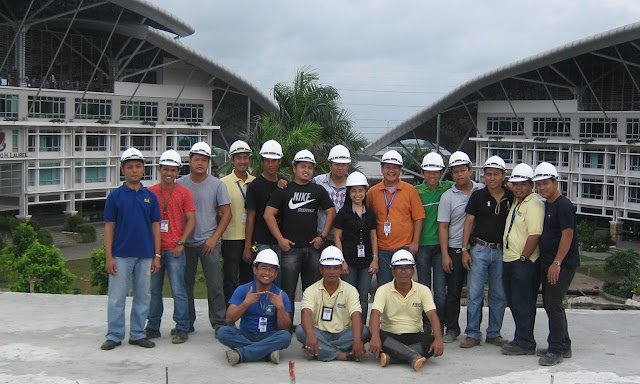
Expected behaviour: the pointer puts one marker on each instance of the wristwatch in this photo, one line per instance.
(556, 262)
(158, 255)
(324, 238)
(464, 249)
(522, 258)
(180, 242)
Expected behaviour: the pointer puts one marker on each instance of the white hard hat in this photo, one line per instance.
(267, 256)
(392, 157)
(339, 154)
(131, 154)
(170, 157)
(331, 255)
(459, 158)
(201, 148)
(239, 146)
(495, 162)
(432, 162)
(545, 170)
(521, 172)
(304, 155)
(357, 178)
(271, 149)
(402, 257)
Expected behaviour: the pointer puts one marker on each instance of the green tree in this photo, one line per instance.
(309, 116)
(43, 263)
(99, 275)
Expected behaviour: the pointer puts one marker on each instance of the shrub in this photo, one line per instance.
(622, 264)
(99, 275)
(44, 263)
(22, 237)
(8, 223)
(585, 235)
(636, 290)
(72, 222)
(602, 240)
(33, 223)
(45, 237)
(2, 244)
(623, 288)
(88, 232)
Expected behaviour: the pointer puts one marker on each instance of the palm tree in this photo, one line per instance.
(309, 117)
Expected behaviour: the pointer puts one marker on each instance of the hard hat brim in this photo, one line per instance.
(431, 168)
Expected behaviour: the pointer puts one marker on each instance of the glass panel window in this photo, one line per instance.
(96, 141)
(634, 193)
(9, 106)
(139, 110)
(31, 175)
(551, 126)
(193, 113)
(142, 140)
(49, 174)
(634, 162)
(592, 189)
(513, 126)
(93, 109)
(14, 140)
(148, 173)
(78, 172)
(598, 127)
(592, 160)
(508, 154)
(47, 107)
(548, 156)
(95, 172)
(49, 141)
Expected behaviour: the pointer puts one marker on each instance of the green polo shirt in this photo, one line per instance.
(430, 200)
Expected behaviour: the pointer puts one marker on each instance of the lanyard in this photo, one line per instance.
(165, 205)
(389, 202)
(513, 218)
(244, 195)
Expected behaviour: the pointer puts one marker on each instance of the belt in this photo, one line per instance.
(487, 244)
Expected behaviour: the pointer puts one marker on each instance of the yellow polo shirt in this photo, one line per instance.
(403, 314)
(235, 230)
(344, 301)
(528, 220)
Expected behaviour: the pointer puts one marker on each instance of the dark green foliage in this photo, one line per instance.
(622, 264)
(99, 275)
(45, 237)
(585, 235)
(8, 223)
(22, 237)
(45, 263)
(602, 240)
(34, 224)
(88, 232)
(71, 222)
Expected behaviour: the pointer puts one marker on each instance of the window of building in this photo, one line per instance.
(11, 176)
(510, 155)
(551, 126)
(47, 107)
(93, 109)
(9, 106)
(142, 140)
(95, 172)
(139, 110)
(49, 174)
(78, 141)
(31, 174)
(14, 140)
(182, 141)
(191, 113)
(596, 189)
(512, 126)
(96, 141)
(148, 173)
(592, 127)
(634, 161)
(634, 193)
(592, 160)
(43, 140)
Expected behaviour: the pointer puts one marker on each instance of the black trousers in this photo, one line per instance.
(552, 299)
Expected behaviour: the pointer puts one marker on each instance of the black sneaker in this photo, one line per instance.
(550, 359)
(191, 330)
(542, 352)
(144, 343)
(109, 345)
(152, 333)
(513, 349)
(180, 337)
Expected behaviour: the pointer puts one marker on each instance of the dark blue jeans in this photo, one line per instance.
(521, 282)
(428, 262)
(454, 280)
(234, 269)
(361, 279)
(299, 261)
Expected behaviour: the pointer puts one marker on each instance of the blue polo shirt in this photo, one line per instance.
(133, 212)
(250, 317)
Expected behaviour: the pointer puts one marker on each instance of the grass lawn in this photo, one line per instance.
(595, 265)
(82, 268)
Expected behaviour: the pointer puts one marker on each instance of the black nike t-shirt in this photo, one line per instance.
(298, 209)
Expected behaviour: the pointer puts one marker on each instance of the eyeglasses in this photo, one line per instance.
(266, 268)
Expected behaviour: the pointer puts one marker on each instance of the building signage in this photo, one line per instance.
(8, 155)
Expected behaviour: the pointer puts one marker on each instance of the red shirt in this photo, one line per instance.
(180, 203)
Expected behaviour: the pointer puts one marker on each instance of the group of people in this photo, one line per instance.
(336, 235)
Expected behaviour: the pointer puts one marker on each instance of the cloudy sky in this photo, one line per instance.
(388, 58)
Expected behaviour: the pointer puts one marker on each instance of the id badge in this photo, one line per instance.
(243, 218)
(387, 228)
(262, 324)
(164, 226)
(360, 250)
(327, 313)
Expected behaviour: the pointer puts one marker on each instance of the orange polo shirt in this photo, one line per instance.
(405, 209)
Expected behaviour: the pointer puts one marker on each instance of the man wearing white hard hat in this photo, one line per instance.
(331, 327)
(399, 214)
(178, 221)
(297, 206)
(429, 256)
(334, 183)
(487, 212)
(132, 251)
(520, 255)
(397, 332)
(559, 258)
(212, 200)
(263, 310)
(451, 215)
(235, 271)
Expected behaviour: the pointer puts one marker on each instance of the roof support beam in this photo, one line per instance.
(15, 37)
(123, 66)
(82, 56)
(589, 86)
(408, 152)
(620, 60)
(34, 14)
(635, 83)
(565, 78)
(136, 53)
(150, 68)
(184, 84)
(126, 105)
(213, 115)
(510, 105)
(549, 93)
(545, 83)
(74, 13)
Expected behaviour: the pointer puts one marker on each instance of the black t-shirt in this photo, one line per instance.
(559, 215)
(258, 193)
(356, 230)
(298, 208)
(490, 215)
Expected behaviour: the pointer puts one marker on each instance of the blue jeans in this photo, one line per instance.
(278, 251)
(299, 261)
(331, 344)
(384, 265)
(428, 260)
(486, 262)
(140, 270)
(521, 281)
(361, 279)
(213, 278)
(253, 346)
(174, 268)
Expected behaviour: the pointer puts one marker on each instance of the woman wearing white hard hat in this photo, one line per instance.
(355, 235)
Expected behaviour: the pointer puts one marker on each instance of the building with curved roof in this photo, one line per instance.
(81, 80)
(576, 106)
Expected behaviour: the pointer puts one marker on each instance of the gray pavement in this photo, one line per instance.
(56, 339)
